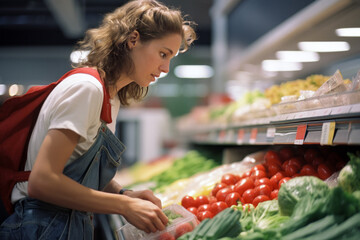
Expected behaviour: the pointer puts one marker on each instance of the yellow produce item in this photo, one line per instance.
(144, 171)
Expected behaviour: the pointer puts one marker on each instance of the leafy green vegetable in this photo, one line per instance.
(349, 177)
(293, 190)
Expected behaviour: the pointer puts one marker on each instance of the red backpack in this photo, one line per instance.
(18, 116)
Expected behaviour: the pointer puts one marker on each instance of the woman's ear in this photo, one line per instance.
(134, 38)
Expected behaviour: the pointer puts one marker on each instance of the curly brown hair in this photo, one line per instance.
(108, 48)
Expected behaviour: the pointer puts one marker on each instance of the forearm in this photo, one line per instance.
(112, 187)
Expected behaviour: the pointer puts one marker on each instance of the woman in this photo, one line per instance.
(72, 154)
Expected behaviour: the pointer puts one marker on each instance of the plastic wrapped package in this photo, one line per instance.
(181, 221)
(202, 184)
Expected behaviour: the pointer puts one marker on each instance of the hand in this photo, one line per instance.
(145, 195)
(145, 215)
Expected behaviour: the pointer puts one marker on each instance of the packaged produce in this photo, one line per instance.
(180, 222)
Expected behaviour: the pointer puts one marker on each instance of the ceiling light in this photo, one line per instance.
(2, 89)
(297, 56)
(348, 32)
(194, 71)
(16, 89)
(334, 46)
(280, 66)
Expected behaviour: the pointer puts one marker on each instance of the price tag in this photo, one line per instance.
(230, 136)
(222, 136)
(240, 136)
(300, 134)
(327, 133)
(270, 132)
(253, 135)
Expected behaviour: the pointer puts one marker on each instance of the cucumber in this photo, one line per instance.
(312, 228)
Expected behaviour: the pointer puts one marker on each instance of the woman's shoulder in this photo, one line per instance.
(81, 82)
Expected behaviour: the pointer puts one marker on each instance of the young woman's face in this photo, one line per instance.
(153, 57)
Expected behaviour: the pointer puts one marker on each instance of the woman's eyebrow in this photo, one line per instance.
(171, 51)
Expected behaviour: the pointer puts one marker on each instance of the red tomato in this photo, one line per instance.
(298, 162)
(310, 154)
(273, 169)
(228, 179)
(324, 171)
(222, 193)
(308, 170)
(258, 167)
(204, 207)
(246, 174)
(183, 228)
(248, 196)
(286, 153)
(291, 170)
(259, 199)
(200, 200)
(206, 214)
(217, 187)
(274, 194)
(243, 185)
(276, 178)
(232, 199)
(262, 190)
(284, 180)
(212, 199)
(263, 181)
(166, 236)
(283, 166)
(193, 210)
(218, 207)
(257, 174)
(188, 201)
(317, 161)
(271, 157)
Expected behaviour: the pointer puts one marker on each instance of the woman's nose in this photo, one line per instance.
(165, 67)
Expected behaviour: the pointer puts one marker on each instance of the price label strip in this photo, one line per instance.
(222, 136)
(327, 133)
(253, 135)
(240, 136)
(300, 134)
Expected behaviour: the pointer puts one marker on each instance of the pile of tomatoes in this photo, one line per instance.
(263, 181)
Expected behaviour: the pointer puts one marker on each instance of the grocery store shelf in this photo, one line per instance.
(327, 126)
(316, 22)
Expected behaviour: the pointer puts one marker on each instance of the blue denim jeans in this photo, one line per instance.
(34, 219)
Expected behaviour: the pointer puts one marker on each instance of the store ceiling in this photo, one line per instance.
(32, 22)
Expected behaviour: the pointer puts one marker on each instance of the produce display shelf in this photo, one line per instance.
(327, 126)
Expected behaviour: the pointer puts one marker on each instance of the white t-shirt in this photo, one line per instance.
(75, 104)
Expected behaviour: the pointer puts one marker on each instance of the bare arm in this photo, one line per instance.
(48, 183)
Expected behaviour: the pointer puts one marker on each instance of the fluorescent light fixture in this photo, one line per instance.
(330, 46)
(79, 56)
(271, 65)
(16, 89)
(194, 71)
(348, 32)
(2, 89)
(297, 56)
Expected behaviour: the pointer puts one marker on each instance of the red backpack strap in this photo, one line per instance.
(106, 107)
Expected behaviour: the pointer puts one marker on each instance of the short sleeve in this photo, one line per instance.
(78, 108)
